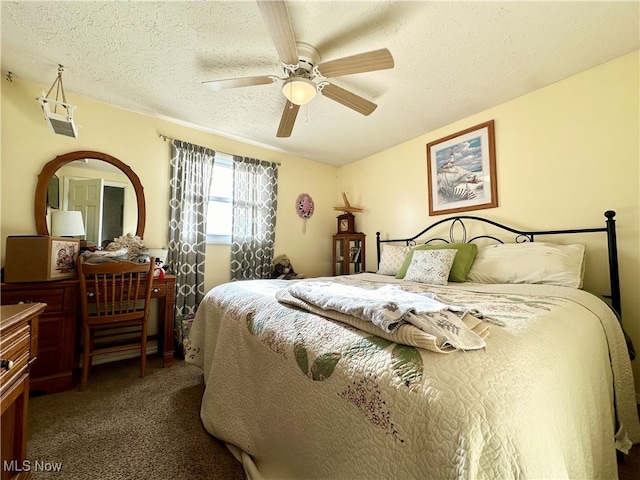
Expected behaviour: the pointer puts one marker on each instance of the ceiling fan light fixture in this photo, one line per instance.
(299, 90)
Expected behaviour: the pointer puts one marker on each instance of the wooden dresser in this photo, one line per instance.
(19, 333)
(57, 330)
(60, 326)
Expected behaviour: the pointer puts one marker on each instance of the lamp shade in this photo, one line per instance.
(299, 90)
(66, 224)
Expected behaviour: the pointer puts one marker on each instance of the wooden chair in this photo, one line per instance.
(115, 297)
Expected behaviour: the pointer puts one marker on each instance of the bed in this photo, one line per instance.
(511, 375)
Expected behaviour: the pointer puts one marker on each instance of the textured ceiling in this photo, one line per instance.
(452, 59)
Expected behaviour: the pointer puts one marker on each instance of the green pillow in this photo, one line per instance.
(466, 253)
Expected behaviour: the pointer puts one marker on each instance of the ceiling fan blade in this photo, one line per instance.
(276, 16)
(217, 85)
(362, 62)
(288, 119)
(348, 99)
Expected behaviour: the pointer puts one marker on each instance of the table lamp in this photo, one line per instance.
(66, 223)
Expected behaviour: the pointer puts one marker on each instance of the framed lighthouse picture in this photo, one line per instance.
(461, 171)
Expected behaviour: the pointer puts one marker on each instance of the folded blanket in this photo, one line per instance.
(102, 256)
(403, 317)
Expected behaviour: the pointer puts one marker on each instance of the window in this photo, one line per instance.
(219, 213)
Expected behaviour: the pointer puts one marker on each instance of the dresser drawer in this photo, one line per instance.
(15, 339)
(53, 297)
(19, 334)
(16, 346)
(158, 290)
(8, 378)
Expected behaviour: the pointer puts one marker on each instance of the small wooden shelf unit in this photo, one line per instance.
(348, 253)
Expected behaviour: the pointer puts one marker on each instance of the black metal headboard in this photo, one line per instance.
(458, 226)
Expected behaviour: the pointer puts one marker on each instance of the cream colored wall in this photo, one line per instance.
(310, 252)
(28, 143)
(565, 154)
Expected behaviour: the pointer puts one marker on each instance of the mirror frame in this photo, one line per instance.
(40, 205)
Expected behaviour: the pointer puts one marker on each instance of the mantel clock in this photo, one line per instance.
(346, 223)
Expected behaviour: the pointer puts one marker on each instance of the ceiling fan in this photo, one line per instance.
(304, 74)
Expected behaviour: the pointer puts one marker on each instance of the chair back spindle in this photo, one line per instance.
(114, 295)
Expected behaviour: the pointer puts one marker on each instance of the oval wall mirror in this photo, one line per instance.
(103, 188)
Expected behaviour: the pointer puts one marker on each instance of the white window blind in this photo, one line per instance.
(219, 214)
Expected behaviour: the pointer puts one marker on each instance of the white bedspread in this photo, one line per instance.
(301, 396)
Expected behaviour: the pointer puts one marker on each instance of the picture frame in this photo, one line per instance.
(354, 255)
(461, 171)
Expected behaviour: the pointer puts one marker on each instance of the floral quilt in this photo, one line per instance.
(299, 395)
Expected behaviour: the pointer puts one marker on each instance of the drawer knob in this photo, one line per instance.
(155, 290)
(90, 294)
(6, 364)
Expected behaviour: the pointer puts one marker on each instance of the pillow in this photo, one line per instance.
(430, 266)
(392, 259)
(530, 262)
(466, 252)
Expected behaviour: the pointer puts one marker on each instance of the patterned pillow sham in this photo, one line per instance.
(466, 253)
(430, 266)
(392, 259)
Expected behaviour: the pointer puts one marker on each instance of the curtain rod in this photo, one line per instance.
(164, 138)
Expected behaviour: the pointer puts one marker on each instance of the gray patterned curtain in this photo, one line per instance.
(191, 170)
(255, 194)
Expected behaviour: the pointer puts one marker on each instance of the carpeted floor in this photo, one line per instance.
(629, 469)
(125, 427)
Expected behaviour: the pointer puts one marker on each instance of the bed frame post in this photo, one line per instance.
(378, 248)
(614, 276)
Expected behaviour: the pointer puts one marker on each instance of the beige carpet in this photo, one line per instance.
(125, 427)
(629, 469)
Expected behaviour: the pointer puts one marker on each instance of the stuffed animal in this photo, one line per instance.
(283, 270)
